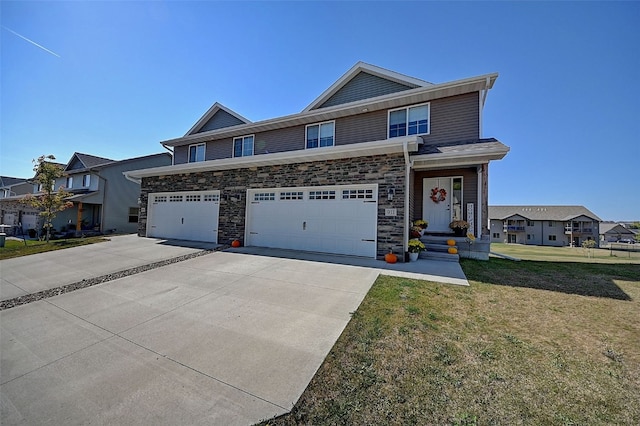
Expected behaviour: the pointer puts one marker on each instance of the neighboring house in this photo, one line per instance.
(543, 225)
(19, 216)
(103, 199)
(346, 175)
(611, 232)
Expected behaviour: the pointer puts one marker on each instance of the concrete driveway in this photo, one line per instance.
(225, 338)
(30, 274)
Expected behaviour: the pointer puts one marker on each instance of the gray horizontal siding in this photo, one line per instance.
(452, 119)
(364, 86)
(220, 120)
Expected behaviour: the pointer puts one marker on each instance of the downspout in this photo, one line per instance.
(171, 151)
(407, 170)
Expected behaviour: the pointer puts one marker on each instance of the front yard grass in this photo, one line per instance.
(527, 343)
(15, 248)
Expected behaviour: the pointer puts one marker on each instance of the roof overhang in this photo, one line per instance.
(471, 155)
(364, 149)
(393, 100)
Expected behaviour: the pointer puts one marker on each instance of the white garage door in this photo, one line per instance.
(184, 215)
(331, 219)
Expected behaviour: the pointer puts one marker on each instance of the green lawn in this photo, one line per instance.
(568, 254)
(15, 248)
(530, 342)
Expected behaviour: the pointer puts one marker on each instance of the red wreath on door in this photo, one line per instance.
(438, 194)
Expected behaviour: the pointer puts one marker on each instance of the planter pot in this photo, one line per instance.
(413, 256)
(460, 232)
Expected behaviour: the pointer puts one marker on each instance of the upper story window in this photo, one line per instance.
(86, 180)
(69, 182)
(322, 134)
(196, 153)
(409, 121)
(243, 146)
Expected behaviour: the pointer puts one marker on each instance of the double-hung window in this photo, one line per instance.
(243, 146)
(69, 182)
(322, 134)
(86, 181)
(196, 153)
(409, 121)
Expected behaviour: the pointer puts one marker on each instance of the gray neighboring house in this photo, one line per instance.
(19, 216)
(347, 175)
(103, 199)
(543, 225)
(610, 232)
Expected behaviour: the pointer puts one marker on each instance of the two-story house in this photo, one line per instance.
(346, 175)
(543, 225)
(19, 217)
(104, 200)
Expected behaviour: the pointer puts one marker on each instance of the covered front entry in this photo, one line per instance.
(191, 215)
(441, 202)
(338, 219)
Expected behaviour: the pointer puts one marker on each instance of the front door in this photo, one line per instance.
(436, 204)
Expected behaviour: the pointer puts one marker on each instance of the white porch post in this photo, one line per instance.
(478, 230)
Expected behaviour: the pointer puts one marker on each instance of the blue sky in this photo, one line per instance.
(114, 79)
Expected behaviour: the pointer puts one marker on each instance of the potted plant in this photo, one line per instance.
(415, 232)
(459, 227)
(422, 224)
(415, 247)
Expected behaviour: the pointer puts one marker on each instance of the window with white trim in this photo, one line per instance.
(69, 182)
(243, 146)
(196, 152)
(321, 134)
(412, 120)
(86, 181)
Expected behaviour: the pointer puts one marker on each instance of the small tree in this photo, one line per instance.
(50, 201)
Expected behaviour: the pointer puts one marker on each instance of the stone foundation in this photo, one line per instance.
(385, 170)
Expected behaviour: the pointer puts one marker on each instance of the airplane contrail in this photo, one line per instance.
(31, 41)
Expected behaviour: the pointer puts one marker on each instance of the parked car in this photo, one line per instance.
(626, 241)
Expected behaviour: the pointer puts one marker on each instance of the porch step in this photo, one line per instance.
(437, 247)
(439, 255)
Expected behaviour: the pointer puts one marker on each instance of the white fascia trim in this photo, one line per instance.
(381, 147)
(210, 113)
(457, 159)
(417, 95)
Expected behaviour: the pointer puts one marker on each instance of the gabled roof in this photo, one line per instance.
(6, 181)
(403, 82)
(85, 161)
(228, 118)
(555, 213)
(387, 101)
(616, 228)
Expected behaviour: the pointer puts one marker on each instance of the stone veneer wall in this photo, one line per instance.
(385, 170)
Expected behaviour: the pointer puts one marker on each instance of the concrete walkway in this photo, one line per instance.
(224, 338)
